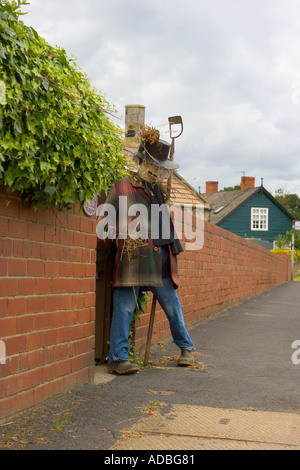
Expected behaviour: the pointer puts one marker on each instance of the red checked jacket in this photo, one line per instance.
(134, 265)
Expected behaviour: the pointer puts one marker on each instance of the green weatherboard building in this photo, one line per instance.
(251, 213)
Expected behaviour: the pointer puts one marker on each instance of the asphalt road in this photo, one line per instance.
(243, 362)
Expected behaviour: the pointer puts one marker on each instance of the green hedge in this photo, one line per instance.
(58, 144)
(277, 251)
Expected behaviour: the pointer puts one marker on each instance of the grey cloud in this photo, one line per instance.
(226, 66)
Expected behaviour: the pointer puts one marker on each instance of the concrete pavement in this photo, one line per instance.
(242, 393)
(249, 397)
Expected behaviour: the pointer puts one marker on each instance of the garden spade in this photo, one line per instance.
(175, 132)
(176, 129)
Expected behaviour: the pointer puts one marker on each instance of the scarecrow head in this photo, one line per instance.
(152, 157)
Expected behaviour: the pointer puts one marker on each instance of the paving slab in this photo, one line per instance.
(197, 427)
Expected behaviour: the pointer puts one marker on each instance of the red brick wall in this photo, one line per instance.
(47, 302)
(47, 295)
(226, 270)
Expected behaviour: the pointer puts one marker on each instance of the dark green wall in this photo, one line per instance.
(240, 221)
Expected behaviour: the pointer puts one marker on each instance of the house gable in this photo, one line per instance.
(239, 220)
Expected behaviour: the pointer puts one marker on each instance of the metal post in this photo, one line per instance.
(150, 330)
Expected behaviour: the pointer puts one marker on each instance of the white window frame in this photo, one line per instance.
(259, 219)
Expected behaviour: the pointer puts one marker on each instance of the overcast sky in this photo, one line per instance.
(230, 68)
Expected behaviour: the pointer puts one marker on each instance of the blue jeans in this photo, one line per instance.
(124, 302)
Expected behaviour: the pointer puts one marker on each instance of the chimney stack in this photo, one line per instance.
(248, 182)
(211, 187)
(134, 122)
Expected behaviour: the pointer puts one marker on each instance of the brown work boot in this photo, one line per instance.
(186, 359)
(122, 368)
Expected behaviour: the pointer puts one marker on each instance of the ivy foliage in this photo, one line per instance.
(58, 144)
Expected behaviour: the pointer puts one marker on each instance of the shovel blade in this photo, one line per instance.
(176, 126)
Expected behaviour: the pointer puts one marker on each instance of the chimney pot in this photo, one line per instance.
(134, 122)
(248, 182)
(212, 187)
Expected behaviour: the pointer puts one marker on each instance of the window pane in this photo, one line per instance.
(259, 218)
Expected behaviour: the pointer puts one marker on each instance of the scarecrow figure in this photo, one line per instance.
(147, 262)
